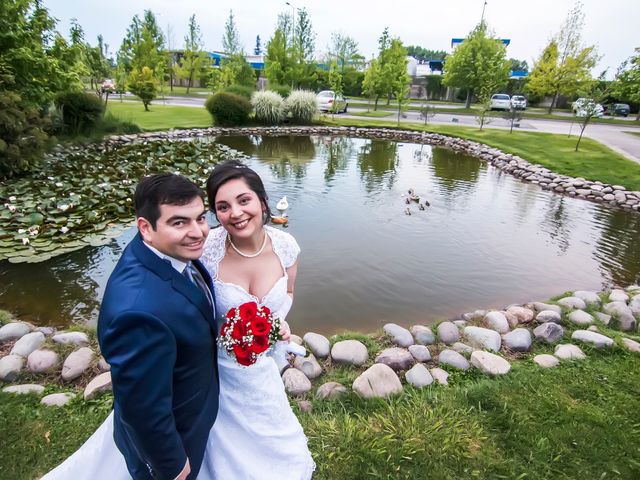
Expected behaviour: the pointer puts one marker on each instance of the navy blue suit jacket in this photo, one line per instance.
(157, 331)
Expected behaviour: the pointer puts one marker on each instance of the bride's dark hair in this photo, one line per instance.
(230, 170)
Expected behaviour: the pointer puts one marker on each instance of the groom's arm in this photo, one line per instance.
(141, 351)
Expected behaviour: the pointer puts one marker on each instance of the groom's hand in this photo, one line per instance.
(285, 332)
(185, 472)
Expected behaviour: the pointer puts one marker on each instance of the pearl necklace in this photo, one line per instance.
(248, 255)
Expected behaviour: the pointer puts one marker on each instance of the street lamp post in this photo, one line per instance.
(483, 7)
(293, 30)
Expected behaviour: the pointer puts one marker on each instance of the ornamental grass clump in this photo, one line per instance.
(302, 106)
(268, 107)
(228, 109)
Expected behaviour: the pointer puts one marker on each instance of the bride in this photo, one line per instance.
(256, 434)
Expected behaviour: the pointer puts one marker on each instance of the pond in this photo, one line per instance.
(485, 241)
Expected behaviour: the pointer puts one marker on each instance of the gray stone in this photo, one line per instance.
(318, 344)
(590, 298)
(618, 296)
(73, 338)
(14, 331)
(546, 361)
(24, 389)
(634, 305)
(540, 307)
(42, 361)
(462, 348)
(295, 382)
(46, 330)
(579, 317)
(423, 335)
(308, 365)
(631, 345)
(489, 363)
(399, 335)
(595, 339)
(476, 315)
(496, 321)
(549, 316)
(101, 383)
(350, 352)
(419, 376)
(483, 338)
(103, 366)
(440, 375)
(603, 317)
(28, 343)
(77, 363)
(378, 380)
(569, 352)
(622, 314)
(296, 339)
(454, 359)
(396, 358)
(10, 367)
(460, 323)
(420, 352)
(593, 328)
(519, 340)
(305, 406)
(448, 333)
(523, 314)
(570, 303)
(57, 399)
(549, 332)
(331, 390)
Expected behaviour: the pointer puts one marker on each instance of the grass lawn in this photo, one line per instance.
(593, 161)
(371, 113)
(634, 133)
(577, 420)
(160, 117)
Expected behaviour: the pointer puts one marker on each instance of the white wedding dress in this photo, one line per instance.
(256, 435)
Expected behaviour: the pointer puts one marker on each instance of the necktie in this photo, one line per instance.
(195, 277)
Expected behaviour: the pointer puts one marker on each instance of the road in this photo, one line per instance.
(613, 136)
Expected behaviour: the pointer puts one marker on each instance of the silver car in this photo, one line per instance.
(500, 101)
(329, 102)
(518, 102)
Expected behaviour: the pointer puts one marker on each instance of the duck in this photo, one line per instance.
(415, 198)
(407, 201)
(421, 206)
(407, 211)
(411, 191)
(282, 204)
(426, 202)
(280, 220)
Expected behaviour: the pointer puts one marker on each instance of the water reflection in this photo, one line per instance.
(377, 161)
(618, 248)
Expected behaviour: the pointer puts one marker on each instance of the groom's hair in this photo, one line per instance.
(163, 189)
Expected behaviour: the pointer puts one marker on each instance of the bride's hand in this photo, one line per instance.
(285, 332)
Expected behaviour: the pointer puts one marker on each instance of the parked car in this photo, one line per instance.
(583, 106)
(108, 85)
(500, 101)
(329, 102)
(618, 109)
(518, 102)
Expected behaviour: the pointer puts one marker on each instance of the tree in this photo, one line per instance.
(97, 64)
(335, 83)
(627, 84)
(277, 62)
(377, 80)
(194, 57)
(519, 65)
(143, 44)
(594, 92)
(303, 50)
(513, 116)
(258, 48)
(231, 39)
(425, 54)
(479, 64)
(395, 70)
(143, 83)
(564, 63)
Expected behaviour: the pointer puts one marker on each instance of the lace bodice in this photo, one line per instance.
(230, 295)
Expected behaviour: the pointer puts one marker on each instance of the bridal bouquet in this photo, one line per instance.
(248, 332)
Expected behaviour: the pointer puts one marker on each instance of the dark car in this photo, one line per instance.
(618, 109)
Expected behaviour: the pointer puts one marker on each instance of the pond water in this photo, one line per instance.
(487, 239)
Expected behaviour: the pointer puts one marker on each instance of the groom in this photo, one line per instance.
(157, 331)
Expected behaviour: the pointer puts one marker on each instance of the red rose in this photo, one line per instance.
(260, 326)
(238, 331)
(243, 355)
(265, 311)
(248, 311)
(260, 344)
(231, 313)
(225, 327)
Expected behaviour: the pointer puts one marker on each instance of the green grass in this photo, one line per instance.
(633, 133)
(160, 117)
(593, 161)
(371, 113)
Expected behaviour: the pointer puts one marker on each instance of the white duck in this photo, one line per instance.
(282, 205)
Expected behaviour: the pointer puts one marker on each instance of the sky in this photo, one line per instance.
(611, 25)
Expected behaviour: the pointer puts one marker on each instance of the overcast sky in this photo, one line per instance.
(612, 25)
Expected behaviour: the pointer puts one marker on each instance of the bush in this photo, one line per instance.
(80, 111)
(228, 109)
(283, 90)
(302, 106)
(268, 107)
(112, 124)
(241, 90)
(143, 83)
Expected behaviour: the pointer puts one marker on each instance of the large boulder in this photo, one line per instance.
(518, 340)
(71, 338)
(57, 399)
(523, 314)
(453, 359)
(570, 303)
(580, 317)
(496, 321)
(420, 352)
(546, 361)
(483, 338)
(396, 358)
(295, 382)
(631, 345)
(14, 331)
(590, 298)
(399, 335)
(603, 317)
(549, 316)
(318, 344)
(489, 363)
(440, 375)
(308, 365)
(42, 360)
(423, 335)
(448, 332)
(28, 343)
(540, 307)
(634, 305)
(350, 352)
(10, 367)
(419, 376)
(101, 383)
(596, 339)
(569, 352)
(549, 332)
(331, 390)
(377, 381)
(618, 296)
(77, 363)
(462, 348)
(622, 315)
